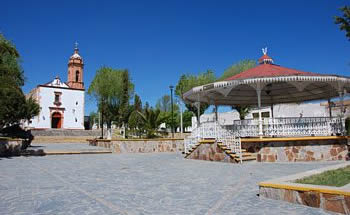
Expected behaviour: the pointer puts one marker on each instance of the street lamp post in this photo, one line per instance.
(172, 110)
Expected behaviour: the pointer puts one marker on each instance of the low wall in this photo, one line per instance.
(140, 145)
(10, 147)
(335, 199)
(66, 132)
(210, 151)
(298, 149)
(331, 202)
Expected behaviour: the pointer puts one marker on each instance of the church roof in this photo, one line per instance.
(56, 83)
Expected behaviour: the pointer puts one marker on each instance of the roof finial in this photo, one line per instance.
(264, 50)
(265, 59)
(76, 45)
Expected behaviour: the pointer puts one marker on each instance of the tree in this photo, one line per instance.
(94, 118)
(137, 103)
(242, 110)
(108, 89)
(152, 120)
(125, 109)
(344, 22)
(164, 104)
(14, 105)
(237, 68)
(187, 82)
(136, 123)
(187, 118)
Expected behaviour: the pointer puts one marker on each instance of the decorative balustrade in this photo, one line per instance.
(213, 130)
(288, 127)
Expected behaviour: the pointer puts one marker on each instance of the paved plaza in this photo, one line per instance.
(159, 183)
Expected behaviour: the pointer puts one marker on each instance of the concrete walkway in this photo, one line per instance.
(161, 183)
(67, 148)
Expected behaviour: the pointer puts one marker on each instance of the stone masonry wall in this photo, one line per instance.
(330, 202)
(210, 152)
(9, 147)
(141, 146)
(294, 151)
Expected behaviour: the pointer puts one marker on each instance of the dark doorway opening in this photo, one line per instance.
(56, 120)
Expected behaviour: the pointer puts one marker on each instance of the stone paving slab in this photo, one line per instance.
(159, 183)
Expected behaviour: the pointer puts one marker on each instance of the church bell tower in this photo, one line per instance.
(75, 70)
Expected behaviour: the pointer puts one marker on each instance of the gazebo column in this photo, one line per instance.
(330, 107)
(258, 92)
(341, 96)
(216, 113)
(198, 111)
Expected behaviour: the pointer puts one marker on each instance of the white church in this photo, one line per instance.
(61, 103)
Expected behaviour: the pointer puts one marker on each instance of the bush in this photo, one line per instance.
(16, 131)
(347, 126)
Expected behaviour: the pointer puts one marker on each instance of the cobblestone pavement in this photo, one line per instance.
(65, 147)
(160, 183)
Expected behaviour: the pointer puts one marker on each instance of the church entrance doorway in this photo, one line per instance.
(56, 120)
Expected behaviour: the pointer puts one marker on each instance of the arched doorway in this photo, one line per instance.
(56, 120)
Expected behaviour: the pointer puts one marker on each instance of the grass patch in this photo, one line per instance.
(337, 178)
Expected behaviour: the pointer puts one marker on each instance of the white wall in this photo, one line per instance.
(71, 100)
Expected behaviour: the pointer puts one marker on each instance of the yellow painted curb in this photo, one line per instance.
(207, 141)
(304, 188)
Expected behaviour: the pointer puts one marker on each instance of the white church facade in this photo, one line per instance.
(61, 103)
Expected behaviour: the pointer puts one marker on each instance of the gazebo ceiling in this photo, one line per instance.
(274, 83)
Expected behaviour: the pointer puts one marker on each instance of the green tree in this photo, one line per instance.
(152, 120)
(14, 105)
(135, 122)
(187, 82)
(108, 88)
(125, 108)
(164, 103)
(187, 119)
(242, 110)
(94, 118)
(237, 68)
(344, 21)
(137, 103)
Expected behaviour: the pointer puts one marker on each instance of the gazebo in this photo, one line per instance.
(268, 84)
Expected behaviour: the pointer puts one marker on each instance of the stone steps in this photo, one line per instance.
(246, 156)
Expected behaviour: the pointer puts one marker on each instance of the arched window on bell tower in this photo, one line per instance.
(77, 76)
(76, 70)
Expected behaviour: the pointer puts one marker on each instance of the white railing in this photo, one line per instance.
(215, 131)
(289, 127)
(191, 140)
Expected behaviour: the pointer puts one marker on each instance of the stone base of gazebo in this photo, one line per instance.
(298, 149)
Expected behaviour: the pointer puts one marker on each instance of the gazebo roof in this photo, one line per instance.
(274, 83)
(270, 70)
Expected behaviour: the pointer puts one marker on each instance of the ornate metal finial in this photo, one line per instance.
(76, 45)
(264, 50)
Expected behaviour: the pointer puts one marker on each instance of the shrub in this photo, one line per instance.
(16, 131)
(347, 126)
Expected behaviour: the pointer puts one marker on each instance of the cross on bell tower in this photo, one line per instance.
(75, 70)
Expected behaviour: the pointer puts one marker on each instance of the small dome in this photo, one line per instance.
(265, 59)
(75, 55)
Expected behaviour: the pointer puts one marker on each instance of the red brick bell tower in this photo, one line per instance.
(75, 70)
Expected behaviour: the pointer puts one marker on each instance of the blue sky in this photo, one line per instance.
(160, 40)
